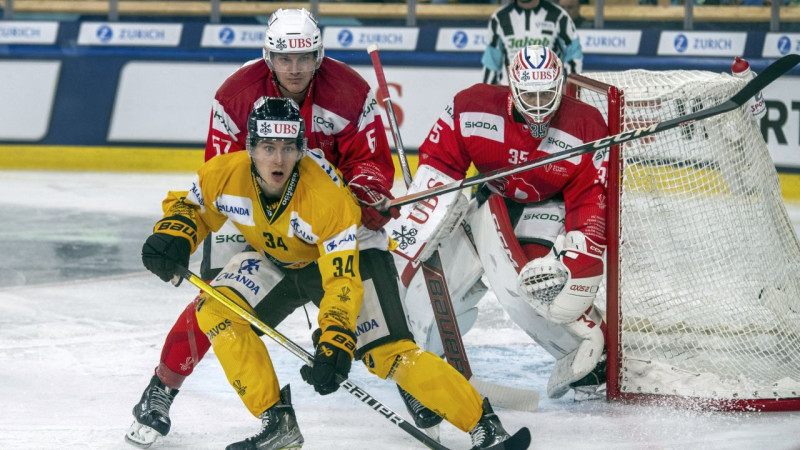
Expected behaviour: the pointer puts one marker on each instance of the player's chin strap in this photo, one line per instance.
(752, 88)
(307, 358)
(507, 397)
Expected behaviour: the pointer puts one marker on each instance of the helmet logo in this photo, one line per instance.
(300, 43)
(278, 129)
(537, 75)
(281, 44)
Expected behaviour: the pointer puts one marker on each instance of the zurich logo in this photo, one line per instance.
(345, 38)
(460, 39)
(226, 35)
(104, 33)
(784, 45)
(681, 43)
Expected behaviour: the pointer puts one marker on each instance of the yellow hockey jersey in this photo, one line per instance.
(315, 220)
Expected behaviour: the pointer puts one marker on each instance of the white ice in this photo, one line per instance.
(76, 355)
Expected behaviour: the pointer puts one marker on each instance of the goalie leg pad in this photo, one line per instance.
(582, 360)
(462, 270)
(576, 346)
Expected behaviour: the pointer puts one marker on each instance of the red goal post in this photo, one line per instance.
(702, 298)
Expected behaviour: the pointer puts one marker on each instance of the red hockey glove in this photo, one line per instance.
(374, 198)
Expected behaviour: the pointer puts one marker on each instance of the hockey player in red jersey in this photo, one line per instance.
(540, 234)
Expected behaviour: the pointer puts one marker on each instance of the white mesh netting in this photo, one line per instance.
(709, 262)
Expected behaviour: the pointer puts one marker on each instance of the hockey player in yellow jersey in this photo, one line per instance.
(302, 226)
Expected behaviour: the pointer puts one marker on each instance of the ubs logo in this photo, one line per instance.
(105, 33)
(681, 43)
(784, 45)
(345, 38)
(226, 35)
(460, 39)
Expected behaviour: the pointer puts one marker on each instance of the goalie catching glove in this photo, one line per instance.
(333, 356)
(169, 246)
(374, 197)
(562, 285)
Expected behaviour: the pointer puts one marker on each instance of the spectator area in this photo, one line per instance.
(613, 10)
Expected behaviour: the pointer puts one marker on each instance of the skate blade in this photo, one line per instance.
(141, 436)
(589, 393)
(433, 432)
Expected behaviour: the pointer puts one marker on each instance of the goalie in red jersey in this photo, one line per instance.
(540, 234)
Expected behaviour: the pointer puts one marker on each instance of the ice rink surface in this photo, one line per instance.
(82, 324)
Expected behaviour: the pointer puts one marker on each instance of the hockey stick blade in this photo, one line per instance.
(301, 353)
(753, 87)
(520, 440)
(506, 396)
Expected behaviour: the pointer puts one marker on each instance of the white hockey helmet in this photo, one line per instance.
(292, 31)
(536, 78)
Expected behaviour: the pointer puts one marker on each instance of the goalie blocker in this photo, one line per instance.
(421, 229)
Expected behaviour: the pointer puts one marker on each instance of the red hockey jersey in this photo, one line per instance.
(482, 127)
(340, 112)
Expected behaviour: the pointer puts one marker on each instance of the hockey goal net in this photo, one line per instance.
(703, 287)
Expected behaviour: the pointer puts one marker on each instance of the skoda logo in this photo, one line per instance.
(104, 33)
(226, 35)
(345, 38)
(784, 45)
(681, 42)
(460, 39)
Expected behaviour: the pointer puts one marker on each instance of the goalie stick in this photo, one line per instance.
(441, 303)
(753, 87)
(307, 358)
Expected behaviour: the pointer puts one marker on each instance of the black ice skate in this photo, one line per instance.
(489, 432)
(151, 414)
(593, 385)
(279, 428)
(423, 417)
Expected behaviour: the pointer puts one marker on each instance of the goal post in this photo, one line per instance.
(702, 298)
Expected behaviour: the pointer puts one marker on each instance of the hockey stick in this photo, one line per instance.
(441, 303)
(753, 87)
(301, 353)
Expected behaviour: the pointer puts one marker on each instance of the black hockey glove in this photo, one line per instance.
(333, 356)
(168, 247)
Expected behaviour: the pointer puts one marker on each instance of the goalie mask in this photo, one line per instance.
(536, 78)
(275, 118)
(293, 31)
